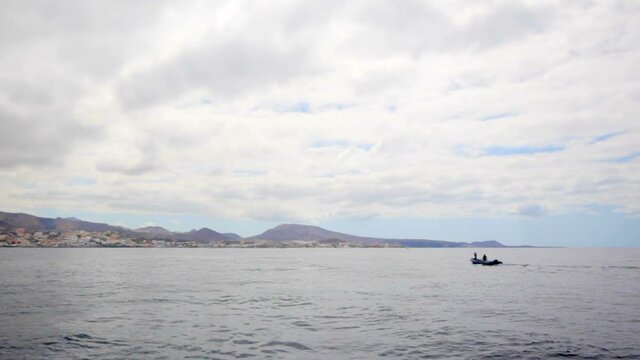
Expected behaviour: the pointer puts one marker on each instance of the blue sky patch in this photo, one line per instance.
(365, 147)
(605, 137)
(81, 181)
(338, 106)
(498, 116)
(328, 143)
(299, 107)
(625, 158)
(520, 150)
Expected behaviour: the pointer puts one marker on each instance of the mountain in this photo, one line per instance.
(289, 232)
(233, 236)
(202, 235)
(29, 222)
(154, 230)
(280, 233)
(486, 244)
(418, 243)
(34, 223)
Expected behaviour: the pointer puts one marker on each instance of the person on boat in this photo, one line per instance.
(475, 256)
(484, 257)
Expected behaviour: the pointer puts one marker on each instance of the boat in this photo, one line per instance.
(488, 263)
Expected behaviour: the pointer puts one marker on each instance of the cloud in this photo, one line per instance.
(325, 143)
(38, 137)
(417, 27)
(507, 22)
(263, 47)
(53, 56)
(132, 159)
(530, 210)
(285, 111)
(227, 69)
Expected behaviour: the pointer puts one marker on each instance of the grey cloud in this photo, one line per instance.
(146, 159)
(138, 168)
(52, 55)
(39, 138)
(226, 69)
(266, 189)
(411, 27)
(37, 121)
(417, 27)
(531, 210)
(91, 37)
(507, 23)
(157, 202)
(271, 213)
(284, 192)
(277, 45)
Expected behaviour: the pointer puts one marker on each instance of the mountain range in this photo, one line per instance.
(280, 233)
(288, 232)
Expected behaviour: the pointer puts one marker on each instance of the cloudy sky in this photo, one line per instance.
(455, 120)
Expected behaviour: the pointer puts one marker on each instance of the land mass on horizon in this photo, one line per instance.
(21, 229)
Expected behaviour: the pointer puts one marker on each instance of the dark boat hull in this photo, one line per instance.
(486, 263)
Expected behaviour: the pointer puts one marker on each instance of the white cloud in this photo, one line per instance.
(294, 112)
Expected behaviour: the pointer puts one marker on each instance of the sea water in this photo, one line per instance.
(318, 303)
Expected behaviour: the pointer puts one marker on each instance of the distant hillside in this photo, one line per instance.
(154, 230)
(202, 235)
(34, 223)
(418, 243)
(486, 244)
(233, 236)
(280, 233)
(289, 232)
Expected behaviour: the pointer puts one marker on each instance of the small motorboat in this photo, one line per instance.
(488, 263)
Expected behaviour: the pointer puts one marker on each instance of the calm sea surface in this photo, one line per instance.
(318, 303)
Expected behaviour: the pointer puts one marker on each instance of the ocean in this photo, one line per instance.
(318, 303)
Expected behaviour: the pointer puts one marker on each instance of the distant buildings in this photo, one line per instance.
(21, 237)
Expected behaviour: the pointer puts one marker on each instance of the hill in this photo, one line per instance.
(202, 235)
(280, 233)
(233, 236)
(290, 232)
(34, 223)
(486, 244)
(154, 230)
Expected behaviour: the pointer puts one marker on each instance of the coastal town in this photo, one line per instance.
(26, 230)
(21, 237)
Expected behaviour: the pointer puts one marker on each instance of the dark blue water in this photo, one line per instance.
(318, 303)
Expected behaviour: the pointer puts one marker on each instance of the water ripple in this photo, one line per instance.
(308, 304)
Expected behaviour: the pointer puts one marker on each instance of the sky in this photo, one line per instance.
(514, 121)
